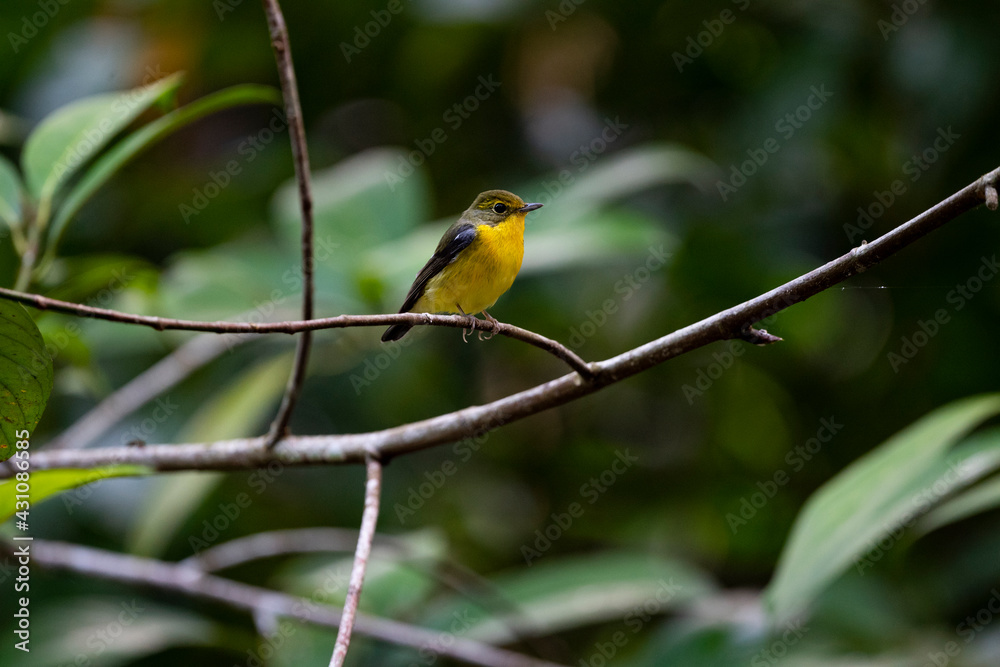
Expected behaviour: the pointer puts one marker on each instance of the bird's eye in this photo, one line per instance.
(499, 207)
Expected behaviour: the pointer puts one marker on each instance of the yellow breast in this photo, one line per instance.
(481, 273)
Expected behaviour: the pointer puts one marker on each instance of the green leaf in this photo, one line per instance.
(981, 498)
(10, 193)
(25, 376)
(559, 594)
(883, 490)
(70, 136)
(114, 630)
(357, 205)
(134, 144)
(47, 483)
(234, 412)
(983, 452)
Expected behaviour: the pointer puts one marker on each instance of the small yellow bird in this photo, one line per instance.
(475, 262)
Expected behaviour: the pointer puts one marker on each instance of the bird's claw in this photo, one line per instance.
(466, 332)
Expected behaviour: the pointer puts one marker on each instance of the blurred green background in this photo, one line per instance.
(624, 119)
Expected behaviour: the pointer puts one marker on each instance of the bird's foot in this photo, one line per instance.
(492, 320)
(466, 332)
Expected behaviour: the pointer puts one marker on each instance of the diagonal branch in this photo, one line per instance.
(734, 322)
(300, 154)
(373, 493)
(188, 581)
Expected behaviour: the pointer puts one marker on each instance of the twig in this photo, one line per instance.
(373, 493)
(728, 324)
(295, 326)
(149, 384)
(300, 154)
(188, 581)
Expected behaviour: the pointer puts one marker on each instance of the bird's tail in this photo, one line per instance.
(395, 332)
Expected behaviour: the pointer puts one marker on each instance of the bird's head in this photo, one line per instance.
(494, 206)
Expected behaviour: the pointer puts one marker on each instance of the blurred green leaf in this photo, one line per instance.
(571, 592)
(245, 275)
(355, 209)
(110, 630)
(25, 375)
(633, 170)
(307, 644)
(694, 643)
(70, 136)
(876, 494)
(235, 411)
(47, 483)
(979, 498)
(98, 278)
(137, 142)
(10, 193)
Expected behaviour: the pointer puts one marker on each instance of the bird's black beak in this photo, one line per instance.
(528, 207)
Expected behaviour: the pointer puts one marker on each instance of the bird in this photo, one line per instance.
(475, 262)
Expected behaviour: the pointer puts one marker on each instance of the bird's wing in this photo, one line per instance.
(452, 243)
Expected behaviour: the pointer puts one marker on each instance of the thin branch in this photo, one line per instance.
(555, 348)
(141, 389)
(373, 493)
(300, 154)
(332, 449)
(176, 578)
